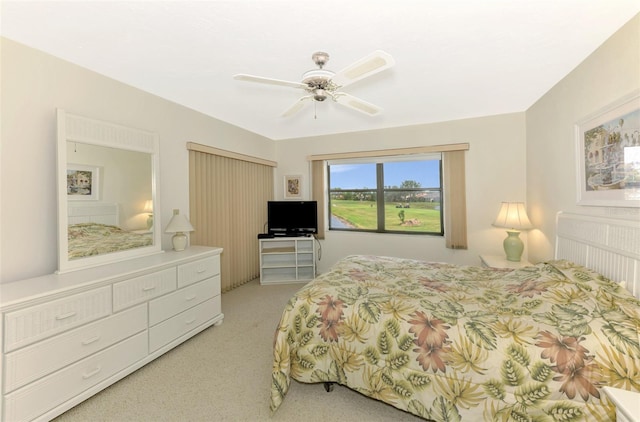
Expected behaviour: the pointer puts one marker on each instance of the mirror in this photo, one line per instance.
(107, 178)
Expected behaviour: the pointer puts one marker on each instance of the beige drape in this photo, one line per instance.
(228, 194)
(455, 204)
(318, 193)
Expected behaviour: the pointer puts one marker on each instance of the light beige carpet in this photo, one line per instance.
(224, 374)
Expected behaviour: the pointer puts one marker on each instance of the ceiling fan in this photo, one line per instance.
(320, 84)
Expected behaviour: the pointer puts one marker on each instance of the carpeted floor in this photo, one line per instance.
(224, 374)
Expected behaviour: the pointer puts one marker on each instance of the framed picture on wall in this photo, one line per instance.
(608, 154)
(83, 182)
(293, 186)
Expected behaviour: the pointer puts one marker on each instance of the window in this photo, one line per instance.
(387, 195)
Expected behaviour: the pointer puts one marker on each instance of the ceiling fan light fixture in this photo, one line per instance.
(319, 95)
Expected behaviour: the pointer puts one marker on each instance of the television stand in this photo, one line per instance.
(287, 259)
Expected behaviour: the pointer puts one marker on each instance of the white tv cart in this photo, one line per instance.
(287, 260)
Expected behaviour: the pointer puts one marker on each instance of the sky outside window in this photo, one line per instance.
(360, 176)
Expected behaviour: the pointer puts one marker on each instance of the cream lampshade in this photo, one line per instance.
(513, 217)
(179, 225)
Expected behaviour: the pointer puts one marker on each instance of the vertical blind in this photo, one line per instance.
(227, 199)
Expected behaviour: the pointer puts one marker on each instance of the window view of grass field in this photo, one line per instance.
(408, 200)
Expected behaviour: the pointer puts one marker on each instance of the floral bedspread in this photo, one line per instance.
(451, 343)
(87, 239)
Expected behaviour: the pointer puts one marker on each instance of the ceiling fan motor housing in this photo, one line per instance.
(319, 83)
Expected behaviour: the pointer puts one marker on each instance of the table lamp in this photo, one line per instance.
(148, 208)
(179, 225)
(513, 217)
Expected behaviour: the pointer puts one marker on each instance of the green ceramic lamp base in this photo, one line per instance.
(513, 246)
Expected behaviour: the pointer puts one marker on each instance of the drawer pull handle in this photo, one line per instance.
(191, 321)
(189, 298)
(201, 271)
(65, 316)
(92, 373)
(147, 289)
(91, 340)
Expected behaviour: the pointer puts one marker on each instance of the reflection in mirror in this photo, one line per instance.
(106, 192)
(120, 182)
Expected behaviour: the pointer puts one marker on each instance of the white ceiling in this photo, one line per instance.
(454, 58)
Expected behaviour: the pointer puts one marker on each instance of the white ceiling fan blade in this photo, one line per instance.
(369, 65)
(269, 81)
(299, 105)
(357, 104)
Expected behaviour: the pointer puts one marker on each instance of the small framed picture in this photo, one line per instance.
(292, 186)
(608, 154)
(83, 182)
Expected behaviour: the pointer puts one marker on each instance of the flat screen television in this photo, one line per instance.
(292, 218)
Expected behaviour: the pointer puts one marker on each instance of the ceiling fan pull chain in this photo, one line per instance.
(315, 110)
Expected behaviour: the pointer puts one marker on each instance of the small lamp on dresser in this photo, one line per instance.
(148, 208)
(513, 217)
(179, 225)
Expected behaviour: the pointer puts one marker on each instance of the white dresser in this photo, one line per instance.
(67, 336)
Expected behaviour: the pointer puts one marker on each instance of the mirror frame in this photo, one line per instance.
(80, 129)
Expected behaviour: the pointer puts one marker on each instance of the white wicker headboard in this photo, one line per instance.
(89, 212)
(610, 246)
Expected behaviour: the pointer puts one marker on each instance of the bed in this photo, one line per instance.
(447, 342)
(93, 229)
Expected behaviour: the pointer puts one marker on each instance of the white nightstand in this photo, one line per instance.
(627, 404)
(500, 261)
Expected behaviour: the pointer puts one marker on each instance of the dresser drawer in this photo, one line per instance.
(31, 324)
(172, 304)
(39, 397)
(40, 359)
(171, 329)
(140, 289)
(198, 270)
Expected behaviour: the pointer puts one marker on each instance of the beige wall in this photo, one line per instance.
(33, 85)
(514, 157)
(608, 74)
(495, 166)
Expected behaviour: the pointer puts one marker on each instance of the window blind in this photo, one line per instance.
(227, 200)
